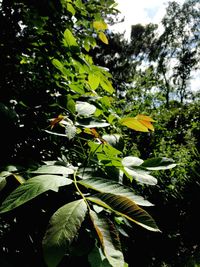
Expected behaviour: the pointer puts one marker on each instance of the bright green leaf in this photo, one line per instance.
(78, 88)
(71, 9)
(57, 64)
(100, 25)
(62, 229)
(93, 80)
(103, 37)
(33, 188)
(107, 86)
(69, 38)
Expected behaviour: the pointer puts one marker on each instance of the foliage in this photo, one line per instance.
(152, 75)
(80, 180)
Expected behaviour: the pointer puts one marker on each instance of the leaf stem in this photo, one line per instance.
(76, 185)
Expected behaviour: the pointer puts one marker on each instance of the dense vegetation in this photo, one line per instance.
(92, 129)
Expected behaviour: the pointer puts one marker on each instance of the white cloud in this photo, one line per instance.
(144, 11)
(195, 81)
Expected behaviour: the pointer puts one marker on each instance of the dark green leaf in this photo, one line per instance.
(109, 239)
(158, 164)
(63, 227)
(109, 186)
(31, 189)
(125, 207)
(53, 169)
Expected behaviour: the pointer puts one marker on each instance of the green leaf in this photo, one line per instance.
(141, 176)
(131, 161)
(109, 186)
(53, 169)
(3, 182)
(62, 229)
(57, 64)
(107, 86)
(93, 80)
(158, 164)
(96, 258)
(100, 25)
(71, 9)
(69, 38)
(109, 239)
(31, 189)
(85, 109)
(78, 88)
(71, 104)
(123, 206)
(103, 37)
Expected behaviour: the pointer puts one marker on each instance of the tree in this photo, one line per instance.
(77, 187)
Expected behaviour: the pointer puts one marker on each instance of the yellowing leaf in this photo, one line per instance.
(146, 121)
(100, 25)
(134, 124)
(141, 123)
(144, 117)
(103, 38)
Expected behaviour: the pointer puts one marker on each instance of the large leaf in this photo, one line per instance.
(158, 164)
(109, 186)
(96, 258)
(123, 206)
(141, 176)
(62, 229)
(134, 124)
(109, 239)
(53, 169)
(131, 161)
(31, 189)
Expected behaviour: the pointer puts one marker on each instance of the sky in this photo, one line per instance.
(141, 11)
(146, 11)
